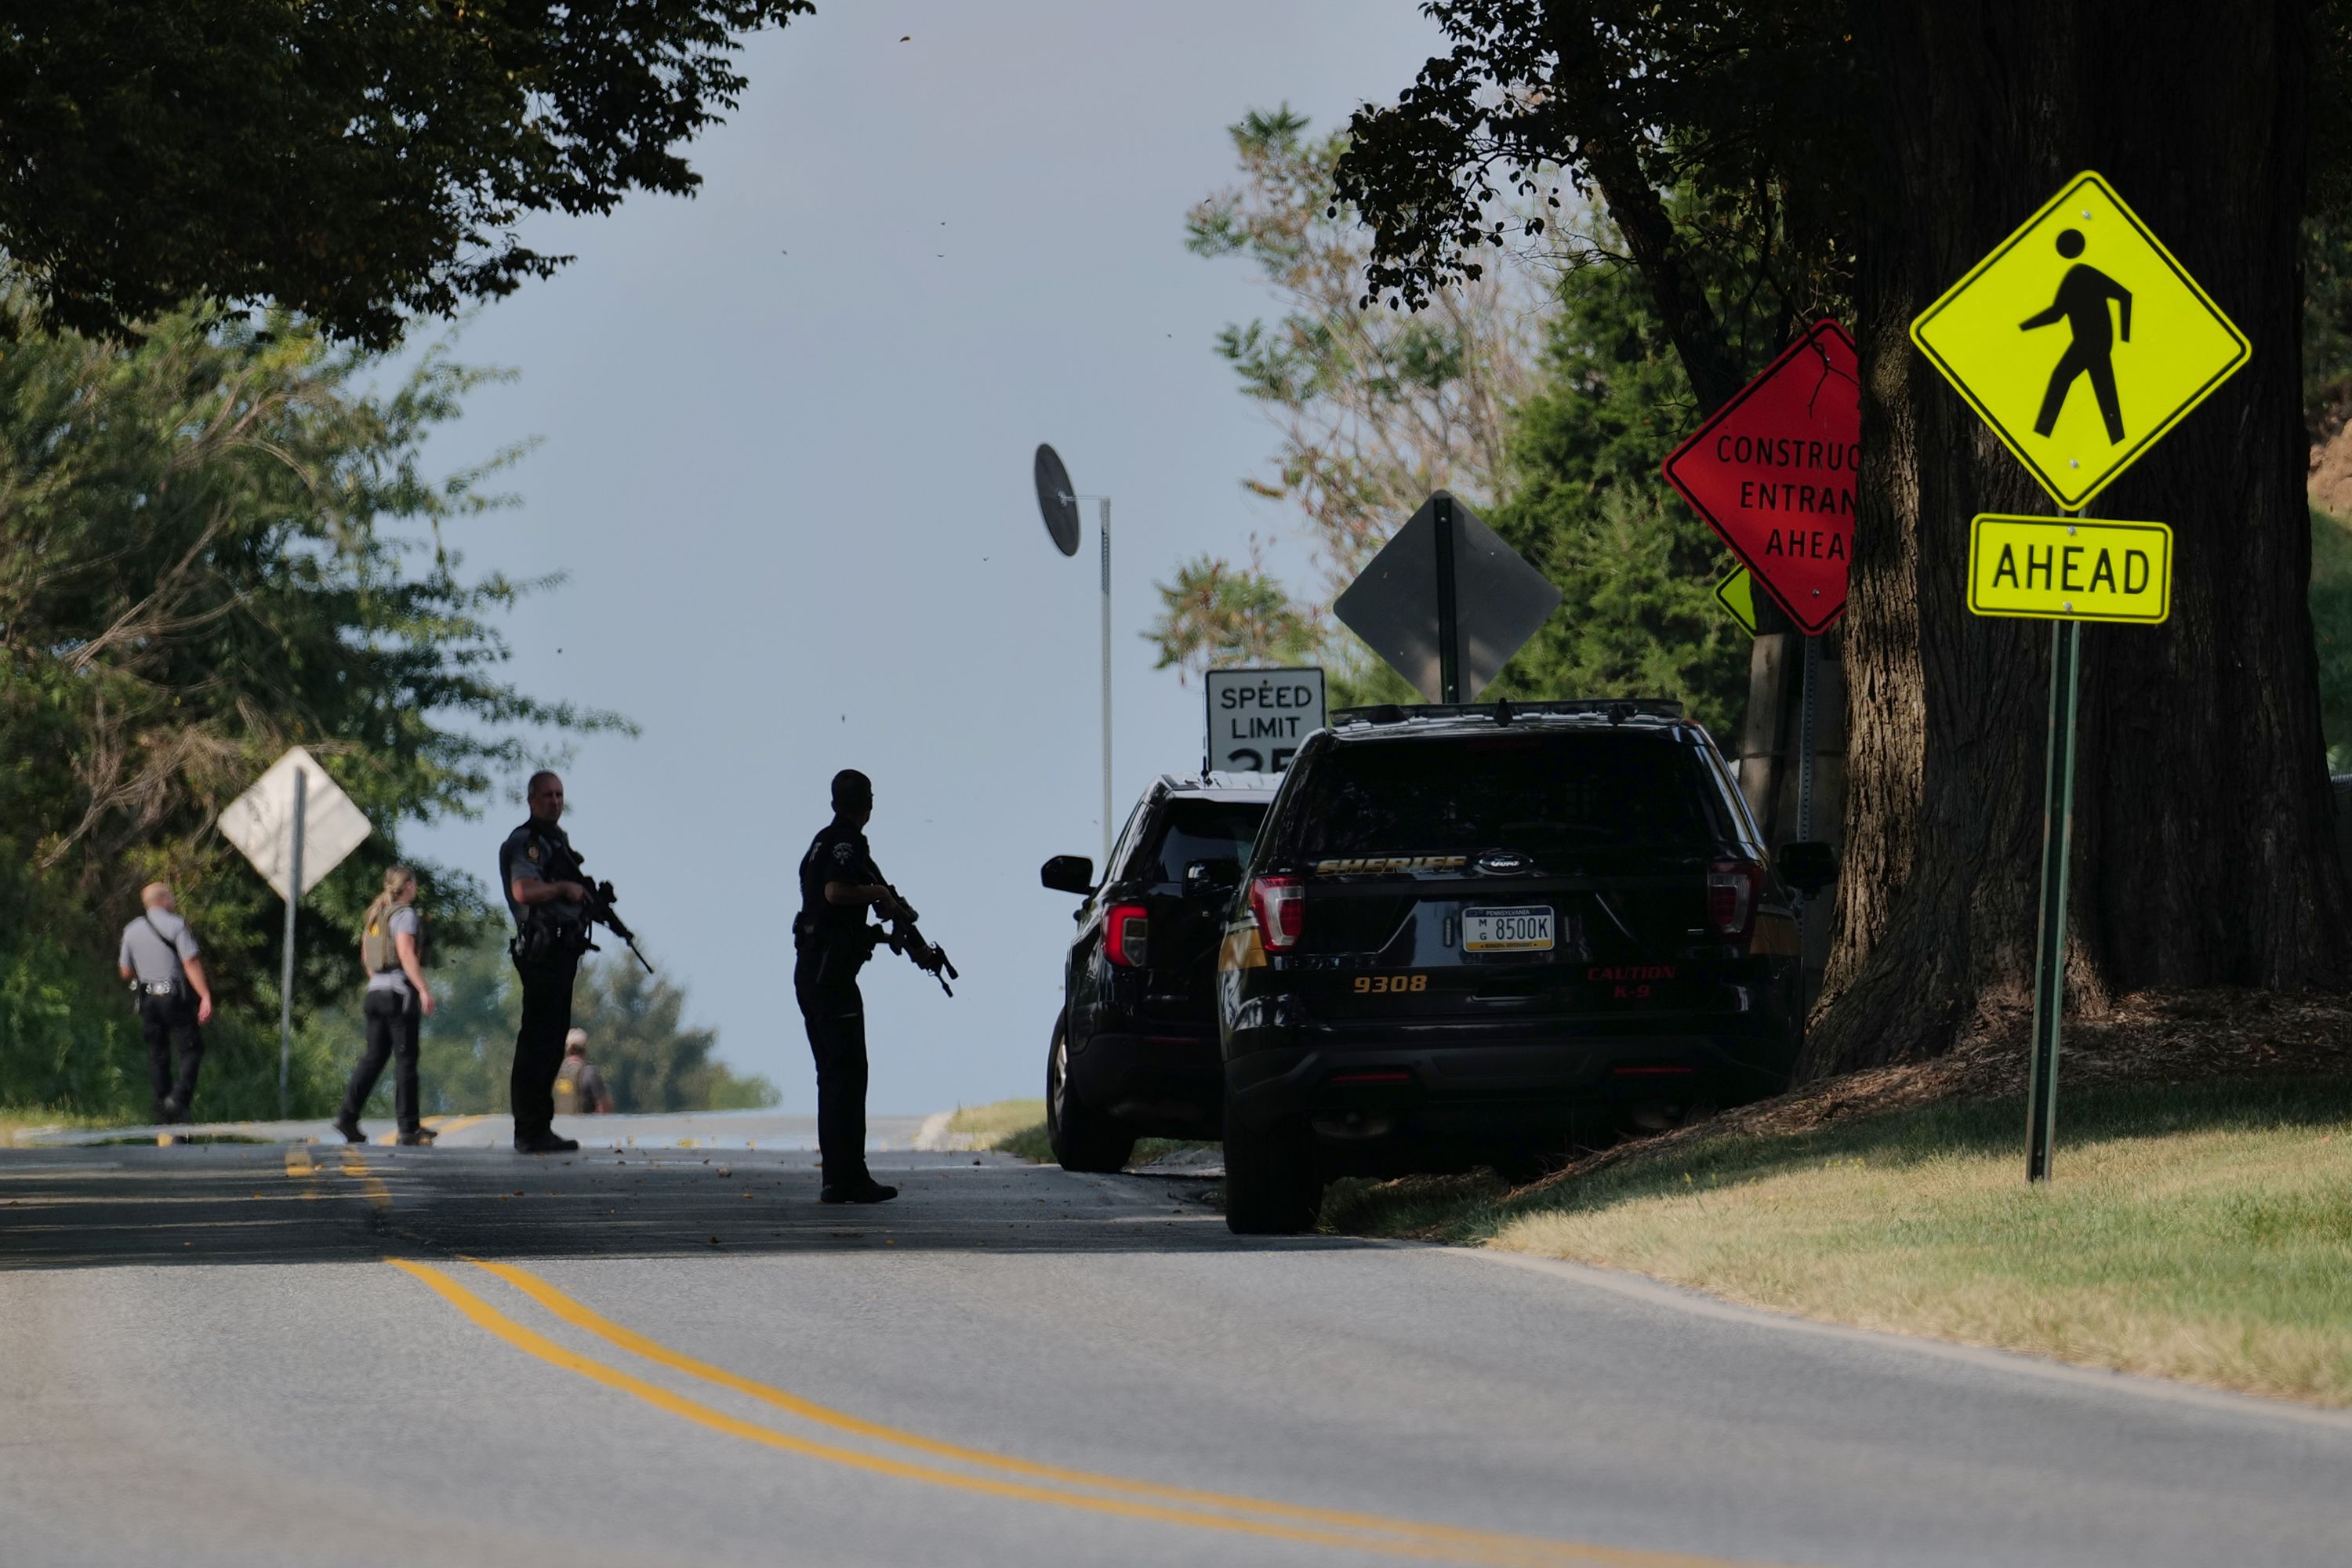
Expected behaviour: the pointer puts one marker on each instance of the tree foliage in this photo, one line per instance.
(1557, 439)
(1375, 410)
(1726, 144)
(214, 543)
(1217, 615)
(357, 163)
(1636, 568)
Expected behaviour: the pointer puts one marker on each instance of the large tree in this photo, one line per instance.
(1868, 156)
(359, 164)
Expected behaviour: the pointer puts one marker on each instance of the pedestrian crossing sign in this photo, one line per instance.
(1736, 595)
(2080, 340)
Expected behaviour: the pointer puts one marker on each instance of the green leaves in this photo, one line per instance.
(359, 164)
(215, 543)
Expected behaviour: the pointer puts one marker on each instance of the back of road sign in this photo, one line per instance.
(1501, 601)
(261, 822)
(2080, 340)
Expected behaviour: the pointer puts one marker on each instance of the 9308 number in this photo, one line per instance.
(1375, 984)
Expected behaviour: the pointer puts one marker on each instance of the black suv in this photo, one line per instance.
(1491, 934)
(1135, 1050)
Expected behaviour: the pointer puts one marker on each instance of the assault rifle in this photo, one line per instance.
(600, 899)
(900, 936)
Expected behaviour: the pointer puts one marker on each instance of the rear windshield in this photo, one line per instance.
(1200, 830)
(1529, 792)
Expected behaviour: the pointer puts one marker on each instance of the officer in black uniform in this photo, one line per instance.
(540, 876)
(839, 881)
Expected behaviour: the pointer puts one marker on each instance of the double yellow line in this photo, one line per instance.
(1019, 1479)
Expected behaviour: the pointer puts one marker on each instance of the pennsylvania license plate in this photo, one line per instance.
(1507, 931)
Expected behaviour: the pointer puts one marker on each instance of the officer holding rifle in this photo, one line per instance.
(839, 883)
(553, 905)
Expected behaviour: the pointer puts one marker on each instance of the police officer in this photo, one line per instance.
(550, 905)
(175, 999)
(839, 883)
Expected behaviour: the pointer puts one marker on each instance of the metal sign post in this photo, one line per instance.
(286, 975)
(2049, 931)
(1104, 503)
(1449, 608)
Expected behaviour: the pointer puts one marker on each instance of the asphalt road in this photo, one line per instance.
(257, 1354)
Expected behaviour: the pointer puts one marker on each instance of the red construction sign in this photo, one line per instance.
(1773, 473)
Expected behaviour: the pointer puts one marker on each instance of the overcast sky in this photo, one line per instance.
(785, 432)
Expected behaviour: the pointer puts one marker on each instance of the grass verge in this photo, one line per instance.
(1018, 1127)
(2200, 1232)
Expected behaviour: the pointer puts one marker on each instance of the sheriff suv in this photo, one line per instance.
(1489, 934)
(1134, 1052)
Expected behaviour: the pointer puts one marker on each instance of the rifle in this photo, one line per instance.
(600, 899)
(900, 936)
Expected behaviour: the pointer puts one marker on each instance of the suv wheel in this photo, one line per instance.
(1272, 1186)
(1082, 1137)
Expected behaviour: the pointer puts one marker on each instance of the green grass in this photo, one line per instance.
(1018, 1127)
(2202, 1233)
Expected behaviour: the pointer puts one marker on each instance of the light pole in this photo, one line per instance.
(1058, 501)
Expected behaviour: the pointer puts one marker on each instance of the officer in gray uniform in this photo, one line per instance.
(159, 957)
(538, 872)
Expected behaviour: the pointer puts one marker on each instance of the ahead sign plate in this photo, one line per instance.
(2068, 569)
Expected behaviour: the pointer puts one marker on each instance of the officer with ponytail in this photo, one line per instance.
(391, 950)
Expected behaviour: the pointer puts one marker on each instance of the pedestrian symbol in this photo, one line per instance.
(2080, 340)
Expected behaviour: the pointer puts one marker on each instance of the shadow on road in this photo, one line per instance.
(98, 1207)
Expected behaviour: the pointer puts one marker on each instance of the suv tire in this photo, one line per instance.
(1272, 1186)
(1082, 1137)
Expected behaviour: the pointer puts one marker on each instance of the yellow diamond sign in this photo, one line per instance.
(1736, 595)
(2080, 340)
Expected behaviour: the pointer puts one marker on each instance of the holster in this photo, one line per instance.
(545, 941)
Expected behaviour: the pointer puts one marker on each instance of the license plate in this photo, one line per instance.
(1507, 931)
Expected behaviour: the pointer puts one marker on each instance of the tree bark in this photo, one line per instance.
(2204, 831)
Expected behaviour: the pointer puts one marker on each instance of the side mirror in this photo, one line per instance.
(1211, 878)
(1809, 866)
(1068, 873)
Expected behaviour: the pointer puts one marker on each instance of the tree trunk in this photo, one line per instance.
(2204, 824)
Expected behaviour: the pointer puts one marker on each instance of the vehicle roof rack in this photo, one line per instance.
(1615, 710)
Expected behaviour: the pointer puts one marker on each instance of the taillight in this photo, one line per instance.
(1127, 935)
(1280, 905)
(1732, 890)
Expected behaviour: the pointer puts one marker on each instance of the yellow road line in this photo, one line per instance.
(454, 1123)
(298, 1161)
(1179, 1505)
(369, 1183)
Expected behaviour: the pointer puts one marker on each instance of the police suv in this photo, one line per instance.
(1134, 1052)
(1488, 935)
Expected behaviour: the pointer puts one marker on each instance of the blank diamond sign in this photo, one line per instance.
(1501, 601)
(260, 822)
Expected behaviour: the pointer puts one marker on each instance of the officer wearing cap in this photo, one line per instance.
(159, 957)
(538, 874)
(839, 883)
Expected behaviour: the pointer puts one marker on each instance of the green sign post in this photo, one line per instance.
(2081, 342)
